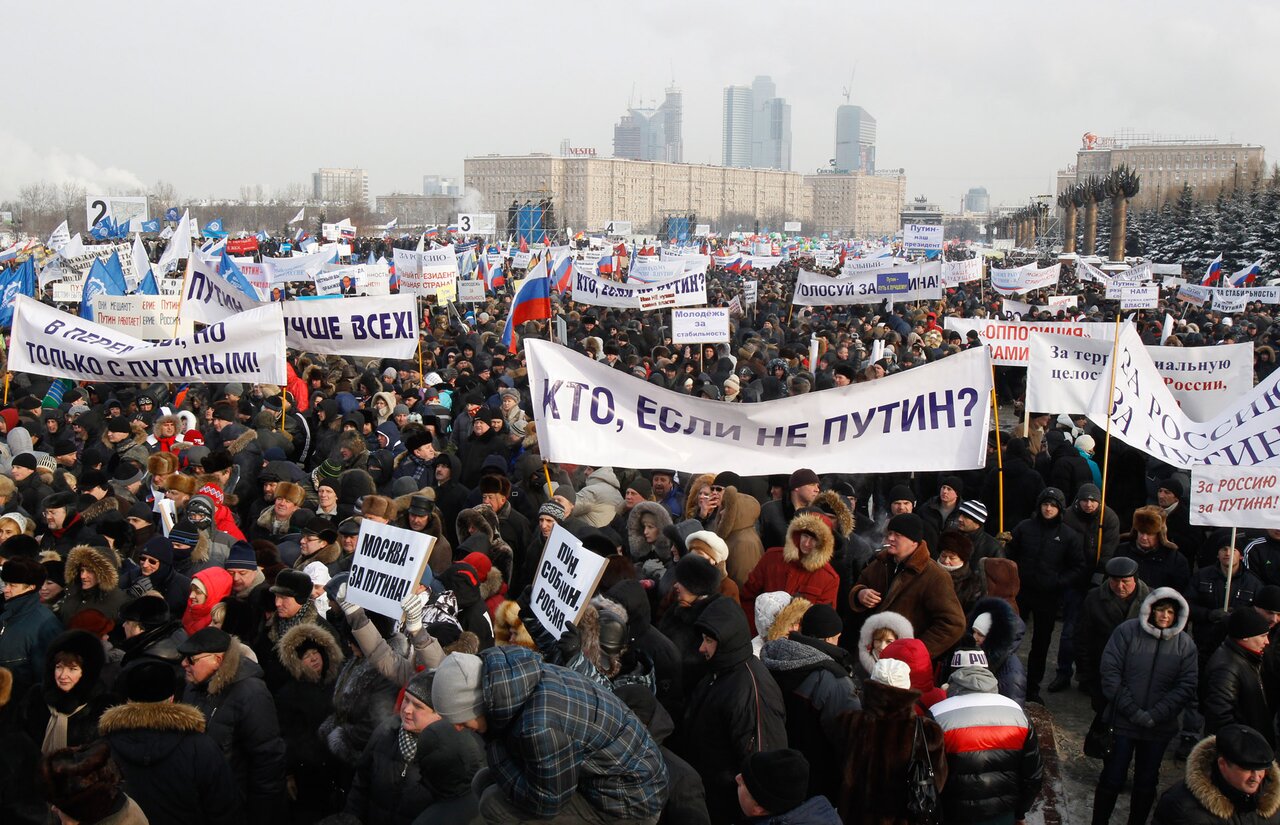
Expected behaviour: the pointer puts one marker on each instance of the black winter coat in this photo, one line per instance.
(171, 767)
(1206, 595)
(1069, 470)
(737, 709)
(1162, 567)
(678, 625)
(387, 790)
(1087, 527)
(1233, 692)
(816, 690)
(241, 718)
(27, 628)
(1149, 674)
(1049, 555)
(1022, 486)
(1199, 798)
(646, 639)
(775, 517)
(86, 700)
(1102, 613)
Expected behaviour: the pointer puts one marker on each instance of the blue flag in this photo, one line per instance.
(151, 226)
(227, 268)
(103, 230)
(171, 214)
(18, 280)
(101, 281)
(117, 271)
(148, 285)
(213, 229)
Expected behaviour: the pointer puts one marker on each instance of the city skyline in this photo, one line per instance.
(236, 111)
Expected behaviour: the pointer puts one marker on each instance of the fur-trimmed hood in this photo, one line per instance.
(829, 501)
(240, 442)
(738, 511)
(787, 616)
(228, 672)
(481, 517)
(327, 555)
(173, 717)
(1199, 778)
(1179, 622)
(101, 561)
(287, 651)
(821, 555)
(896, 622)
(636, 545)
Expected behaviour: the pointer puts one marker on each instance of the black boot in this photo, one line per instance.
(1140, 802)
(1104, 802)
(1060, 682)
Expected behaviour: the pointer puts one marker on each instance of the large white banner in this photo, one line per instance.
(1024, 278)
(933, 416)
(1145, 415)
(688, 290)
(1006, 341)
(296, 268)
(248, 347)
(1064, 372)
(909, 282)
(1235, 497)
(922, 236)
(373, 327)
(955, 273)
(428, 272)
(76, 267)
(651, 270)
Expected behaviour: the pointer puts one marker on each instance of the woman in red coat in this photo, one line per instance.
(801, 568)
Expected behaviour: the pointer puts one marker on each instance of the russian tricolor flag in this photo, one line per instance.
(1214, 272)
(562, 272)
(604, 265)
(532, 303)
(1248, 275)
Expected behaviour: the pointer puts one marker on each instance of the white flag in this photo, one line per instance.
(179, 246)
(298, 216)
(1167, 329)
(60, 237)
(141, 263)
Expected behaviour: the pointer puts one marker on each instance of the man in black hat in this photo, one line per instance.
(30, 486)
(294, 606)
(1231, 777)
(904, 579)
(775, 516)
(1171, 498)
(772, 787)
(240, 715)
(1117, 599)
(1233, 684)
(319, 542)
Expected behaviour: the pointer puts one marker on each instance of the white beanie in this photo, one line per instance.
(982, 624)
(768, 606)
(1086, 443)
(719, 550)
(891, 672)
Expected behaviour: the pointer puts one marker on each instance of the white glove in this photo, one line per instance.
(412, 607)
(347, 607)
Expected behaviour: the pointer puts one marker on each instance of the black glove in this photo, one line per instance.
(526, 612)
(139, 587)
(1217, 615)
(1143, 718)
(570, 643)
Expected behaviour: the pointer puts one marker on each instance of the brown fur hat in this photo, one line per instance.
(161, 464)
(1149, 520)
(289, 491)
(378, 506)
(182, 483)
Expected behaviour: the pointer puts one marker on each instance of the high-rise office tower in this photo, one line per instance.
(855, 140)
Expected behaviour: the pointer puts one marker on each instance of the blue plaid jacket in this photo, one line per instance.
(554, 733)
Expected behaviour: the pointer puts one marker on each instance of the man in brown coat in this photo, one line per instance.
(905, 579)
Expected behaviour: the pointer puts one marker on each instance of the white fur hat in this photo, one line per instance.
(892, 672)
(719, 550)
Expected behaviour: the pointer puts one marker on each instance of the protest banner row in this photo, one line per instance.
(589, 413)
(1145, 415)
(904, 282)
(374, 327)
(685, 290)
(1064, 372)
(248, 347)
(1007, 341)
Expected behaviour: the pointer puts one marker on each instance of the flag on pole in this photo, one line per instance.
(1248, 275)
(53, 398)
(60, 237)
(298, 216)
(227, 268)
(102, 280)
(18, 280)
(532, 302)
(561, 272)
(1214, 272)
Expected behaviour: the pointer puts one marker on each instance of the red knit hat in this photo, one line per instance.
(480, 562)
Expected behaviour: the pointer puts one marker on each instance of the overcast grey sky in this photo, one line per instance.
(210, 97)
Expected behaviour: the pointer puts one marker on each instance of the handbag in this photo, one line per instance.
(1100, 741)
(922, 791)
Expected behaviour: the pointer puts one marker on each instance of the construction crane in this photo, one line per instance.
(848, 90)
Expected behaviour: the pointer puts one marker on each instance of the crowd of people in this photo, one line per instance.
(806, 648)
